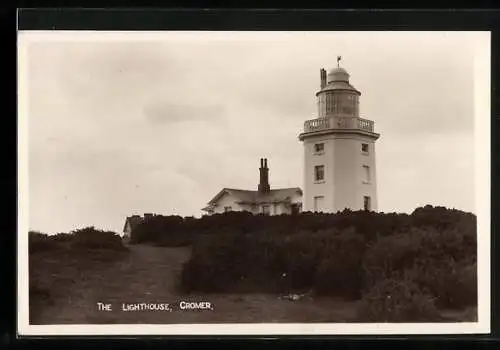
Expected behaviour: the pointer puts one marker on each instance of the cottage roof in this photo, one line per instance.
(133, 220)
(255, 197)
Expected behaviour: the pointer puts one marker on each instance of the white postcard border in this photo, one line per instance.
(482, 64)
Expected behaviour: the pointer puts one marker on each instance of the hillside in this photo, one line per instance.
(149, 274)
(347, 267)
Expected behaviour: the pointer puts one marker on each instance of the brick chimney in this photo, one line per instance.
(264, 177)
(322, 74)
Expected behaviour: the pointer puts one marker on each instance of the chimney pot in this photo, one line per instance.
(322, 78)
(264, 177)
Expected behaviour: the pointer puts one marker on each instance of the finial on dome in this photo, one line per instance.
(338, 61)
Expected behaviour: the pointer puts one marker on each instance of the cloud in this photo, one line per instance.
(162, 113)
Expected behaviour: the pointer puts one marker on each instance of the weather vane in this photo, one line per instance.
(338, 61)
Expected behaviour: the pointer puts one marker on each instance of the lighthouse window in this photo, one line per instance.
(366, 173)
(364, 147)
(319, 172)
(346, 109)
(336, 104)
(329, 102)
(321, 105)
(319, 148)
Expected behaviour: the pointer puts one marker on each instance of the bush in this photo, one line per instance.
(441, 262)
(461, 287)
(233, 260)
(393, 300)
(85, 238)
(91, 238)
(62, 237)
(39, 242)
(370, 225)
(342, 254)
(440, 218)
(155, 229)
(210, 270)
(454, 285)
(340, 272)
(388, 257)
(269, 262)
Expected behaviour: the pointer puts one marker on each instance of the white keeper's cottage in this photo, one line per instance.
(262, 201)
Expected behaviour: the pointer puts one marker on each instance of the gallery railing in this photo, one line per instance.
(328, 123)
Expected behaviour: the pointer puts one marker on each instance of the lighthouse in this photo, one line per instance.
(339, 149)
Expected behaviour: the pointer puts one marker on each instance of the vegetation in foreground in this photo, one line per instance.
(400, 267)
(56, 260)
(392, 267)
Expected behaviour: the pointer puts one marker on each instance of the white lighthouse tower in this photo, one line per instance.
(339, 150)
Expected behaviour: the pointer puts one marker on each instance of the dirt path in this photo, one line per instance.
(149, 275)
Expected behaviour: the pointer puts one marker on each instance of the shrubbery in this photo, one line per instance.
(370, 225)
(156, 229)
(91, 238)
(425, 260)
(340, 272)
(269, 262)
(441, 262)
(38, 241)
(62, 237)
(454, 284)
(85, 238)
(69, 256)
(396, 300)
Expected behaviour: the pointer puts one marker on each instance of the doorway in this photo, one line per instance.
(367, 203)
(295, 209)
(318, 203)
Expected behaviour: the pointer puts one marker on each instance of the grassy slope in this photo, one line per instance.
(149, 274)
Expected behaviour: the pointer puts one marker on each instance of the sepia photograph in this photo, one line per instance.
(202, 182)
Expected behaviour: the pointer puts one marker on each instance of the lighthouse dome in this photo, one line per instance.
(337, 79)
(338, 74)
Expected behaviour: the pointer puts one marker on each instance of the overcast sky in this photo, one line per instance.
(123, 124)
